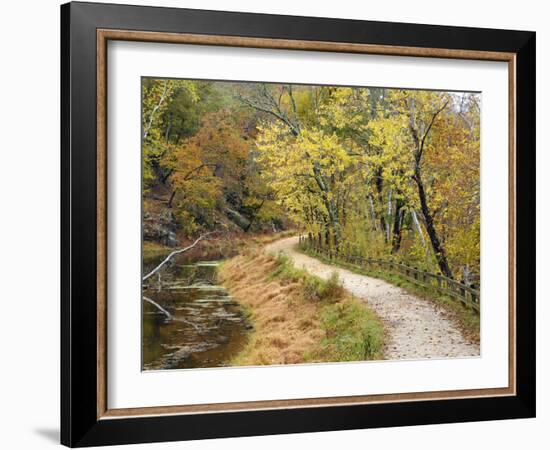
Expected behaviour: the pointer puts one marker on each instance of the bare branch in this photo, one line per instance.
(430, 126)
(160, 308)
(169, 316)
(196, 169)
(270, 106)
(292, 101)
(176, 252)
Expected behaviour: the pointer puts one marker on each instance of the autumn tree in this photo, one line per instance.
(157, 95)
(203, 166)
(315, 161)
(421, 128)
(369, 171)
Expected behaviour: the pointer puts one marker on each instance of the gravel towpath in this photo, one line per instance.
(416, 328)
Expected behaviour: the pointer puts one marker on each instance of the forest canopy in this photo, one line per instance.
(375, 172)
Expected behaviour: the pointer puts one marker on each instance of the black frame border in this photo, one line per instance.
(79, 423)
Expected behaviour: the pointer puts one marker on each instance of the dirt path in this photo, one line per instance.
(416, 328)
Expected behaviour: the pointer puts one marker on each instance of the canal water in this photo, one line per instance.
(195, 322)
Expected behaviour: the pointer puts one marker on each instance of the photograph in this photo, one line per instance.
(282, 221)
(288, 223)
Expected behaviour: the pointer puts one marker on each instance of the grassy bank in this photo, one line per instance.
(466, 319)
(297, 317)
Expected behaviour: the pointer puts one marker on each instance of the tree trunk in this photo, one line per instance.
(166, 176)
(397, 222)
(168, 128)
(419, 230)
(372, 214)
(430, 228)
(334, 222)
(379, 188)
(329, 204)
(254, 216)
(149, 124)
(390, 210)
(172, 195)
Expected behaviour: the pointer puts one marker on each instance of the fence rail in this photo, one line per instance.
(467, 295)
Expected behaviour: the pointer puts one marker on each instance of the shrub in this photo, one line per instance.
(332, 290)
(285, 269)
(318, 290)
(312, 287)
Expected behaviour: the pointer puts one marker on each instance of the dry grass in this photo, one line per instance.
(276, 310)
(294, 314)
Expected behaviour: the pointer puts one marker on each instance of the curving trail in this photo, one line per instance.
(415, 328)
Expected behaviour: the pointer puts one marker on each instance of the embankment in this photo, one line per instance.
(297, 317)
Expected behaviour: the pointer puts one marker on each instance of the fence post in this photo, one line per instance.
(475, 298)
(468, 296)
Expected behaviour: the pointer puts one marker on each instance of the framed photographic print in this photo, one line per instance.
(276, 224)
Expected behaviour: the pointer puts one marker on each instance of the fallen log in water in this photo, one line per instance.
(160, 308)
(176, 252)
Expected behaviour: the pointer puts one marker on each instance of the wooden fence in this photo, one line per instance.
(467, 295)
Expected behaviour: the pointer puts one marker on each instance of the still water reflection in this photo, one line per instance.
(201, 326)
